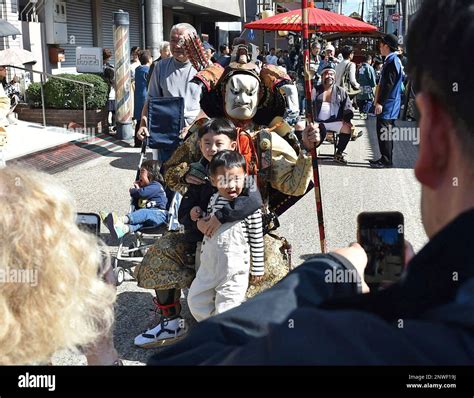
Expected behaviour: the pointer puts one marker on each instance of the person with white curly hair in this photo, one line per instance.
(56, 290)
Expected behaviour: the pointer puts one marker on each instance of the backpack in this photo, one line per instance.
(346, 82)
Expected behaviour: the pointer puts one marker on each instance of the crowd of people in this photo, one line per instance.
(238, 167)
(361, 82)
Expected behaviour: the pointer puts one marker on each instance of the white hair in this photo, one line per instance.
(186, 26)
(60, 300)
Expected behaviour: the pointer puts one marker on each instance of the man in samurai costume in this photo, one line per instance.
(256, 101)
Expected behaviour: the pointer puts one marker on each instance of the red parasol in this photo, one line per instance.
(318, 20)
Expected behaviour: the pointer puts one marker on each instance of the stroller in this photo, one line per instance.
(132, 254)
(165, 119)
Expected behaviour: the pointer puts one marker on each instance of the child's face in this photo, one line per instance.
(229, 182)
(144, 179)
(211, 143)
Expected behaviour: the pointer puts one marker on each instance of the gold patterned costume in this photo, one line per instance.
(166, 265)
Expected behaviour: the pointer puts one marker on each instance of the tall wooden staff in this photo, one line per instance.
(310, 119)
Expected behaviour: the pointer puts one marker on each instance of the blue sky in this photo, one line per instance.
(354, 5)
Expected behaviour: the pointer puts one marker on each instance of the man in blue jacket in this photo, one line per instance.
(388, 99)
(427, 318)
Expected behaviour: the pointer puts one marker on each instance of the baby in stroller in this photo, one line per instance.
(149, 201)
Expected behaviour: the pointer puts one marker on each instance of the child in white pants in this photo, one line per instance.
(233, 252)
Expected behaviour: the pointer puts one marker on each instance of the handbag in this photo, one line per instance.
(165, 121)
(346, 82)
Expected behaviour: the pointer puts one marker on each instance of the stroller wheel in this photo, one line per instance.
(119, 273)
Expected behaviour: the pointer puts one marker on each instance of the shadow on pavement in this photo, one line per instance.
(405, 152)
(134, 313)
(127, 160)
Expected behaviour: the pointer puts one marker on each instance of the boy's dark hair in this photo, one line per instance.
(228, 159)
(219, 125)
(153, 168)
(222, 47)
(144, 57)
(430, 60)
(368, 58)
(346, 51)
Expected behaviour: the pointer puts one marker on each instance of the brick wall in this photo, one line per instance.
(96, 119)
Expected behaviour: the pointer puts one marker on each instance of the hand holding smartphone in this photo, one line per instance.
(381, 234)
(90, 222)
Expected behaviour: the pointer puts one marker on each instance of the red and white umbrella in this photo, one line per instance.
(318, 21)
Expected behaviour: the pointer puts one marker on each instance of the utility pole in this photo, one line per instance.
(383, 15)
(378, 13)
(405, 17)
(362, 13)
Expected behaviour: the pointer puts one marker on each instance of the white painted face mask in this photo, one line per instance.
(241, 97)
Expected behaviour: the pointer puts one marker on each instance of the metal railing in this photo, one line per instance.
(48, 75)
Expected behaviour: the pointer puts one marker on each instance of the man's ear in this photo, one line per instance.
(233, 145)
(436, 130)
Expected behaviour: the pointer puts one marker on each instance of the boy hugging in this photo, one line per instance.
(223, 276)
(166, 269)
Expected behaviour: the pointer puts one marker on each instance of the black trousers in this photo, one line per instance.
(384, 131)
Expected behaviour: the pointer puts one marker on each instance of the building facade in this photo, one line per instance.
(53, 29)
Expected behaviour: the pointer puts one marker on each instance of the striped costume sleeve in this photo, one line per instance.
(216, 202)
(254, 232)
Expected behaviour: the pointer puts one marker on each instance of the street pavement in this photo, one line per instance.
(102, 184)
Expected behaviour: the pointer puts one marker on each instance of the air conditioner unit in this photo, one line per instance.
(55, 22)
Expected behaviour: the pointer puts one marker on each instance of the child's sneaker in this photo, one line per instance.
(116, 227)
(103, 215)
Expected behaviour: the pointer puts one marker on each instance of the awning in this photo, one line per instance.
(7, 29)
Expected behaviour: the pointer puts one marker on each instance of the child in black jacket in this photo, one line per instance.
(214, 136)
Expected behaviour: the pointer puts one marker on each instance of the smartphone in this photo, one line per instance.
(381, 234)
(89, 222)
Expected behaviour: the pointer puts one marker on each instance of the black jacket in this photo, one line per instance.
(425, 319)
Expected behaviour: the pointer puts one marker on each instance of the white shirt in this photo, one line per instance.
(325, 112)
